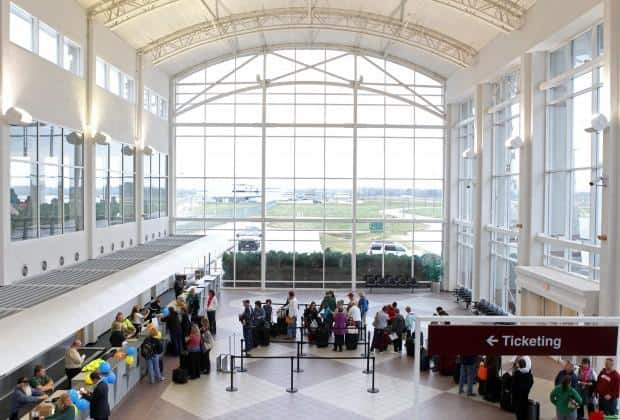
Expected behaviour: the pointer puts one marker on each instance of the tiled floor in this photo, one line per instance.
(327, 388)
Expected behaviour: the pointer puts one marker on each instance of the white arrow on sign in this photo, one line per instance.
(492, 340)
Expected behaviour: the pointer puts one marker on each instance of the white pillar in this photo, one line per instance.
(139, 142)
(451, 199)
(482, 194)
(5, 211)
(532, 159)
(90, 215)
(172, 164)
(609, 298)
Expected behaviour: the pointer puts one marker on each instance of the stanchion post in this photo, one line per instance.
(368, 371)
(298, 370)
(232, 388)
(366, 348)
(242, 368)
(292, 389)
(373, 389)
(301, 350)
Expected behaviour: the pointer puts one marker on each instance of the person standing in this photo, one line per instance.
(194, 350)
(151, 350)
(398, 327)
(173, 324)
(607, 386)
(98, 398)
(179, 284)
(73, 361)
(292, 315)
(259, 324)
(362, 303)
(566, 400)
(586, 383)
(207, 342)
(522, 382)
(340, 328)
(329, 301)
(468, 373)
(355, 315)
(380, 323)
(246, 318)
(211, 308)
(569, 370)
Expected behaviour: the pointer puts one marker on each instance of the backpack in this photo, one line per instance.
(147, 350)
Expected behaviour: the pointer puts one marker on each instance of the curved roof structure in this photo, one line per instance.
(441, 35)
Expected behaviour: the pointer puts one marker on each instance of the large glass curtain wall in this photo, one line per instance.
(115, 184)
(311, 159)
(46, 181)
(505, 190)
(465, 135)
(155, 186)
(574, 156)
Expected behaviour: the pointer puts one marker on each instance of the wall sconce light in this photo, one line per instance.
(101, 138)
(128, 150)
(469, 154)
(598, 123)
(75, 138)
(17, 116)
(148, 150)
(514, 142)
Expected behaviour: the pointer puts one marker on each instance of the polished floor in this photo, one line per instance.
(326, 388)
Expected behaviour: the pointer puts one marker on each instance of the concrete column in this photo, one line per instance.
(139, 143)
(532, 159)
(609, 298)
(90, 215)
(451, 199)
(5, 205)
(172, 164)
(482, 193)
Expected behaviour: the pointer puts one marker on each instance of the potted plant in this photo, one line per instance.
(432, 269)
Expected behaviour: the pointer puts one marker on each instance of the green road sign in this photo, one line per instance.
(376, 226)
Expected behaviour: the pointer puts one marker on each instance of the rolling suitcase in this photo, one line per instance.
(179, 376)
(533, 410)
(223, 362)
(597, 415)
(505, 399)
(425, 362)
(410, 347)
(322, 337)
(351, 339)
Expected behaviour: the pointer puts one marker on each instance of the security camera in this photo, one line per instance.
(601, 181)
(598, 123)
(514, 142)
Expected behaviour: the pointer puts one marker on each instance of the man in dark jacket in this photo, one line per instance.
(522, 382)
(247, 320)
(468, 373)
(569, 370)
(23, 396)
(99, 407)
(173, 324)
(398, 327)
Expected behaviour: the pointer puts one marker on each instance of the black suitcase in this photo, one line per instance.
(505, 399)
(410, 347)
(533, 410)
(493, 389)
(322, 337)
(179, 376)
(351, 339)
(184, 360)
(425, 362)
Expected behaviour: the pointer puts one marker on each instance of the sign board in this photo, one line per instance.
(376, 226)
(533, 340)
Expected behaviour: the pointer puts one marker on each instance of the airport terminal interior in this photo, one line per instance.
(353, 209)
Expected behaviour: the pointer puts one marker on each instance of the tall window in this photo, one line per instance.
(155, 186)
(115, 184)
(505, 190)
(114, 81)
(344, 163)
(46, 181)
(574, 156)
(465, 138)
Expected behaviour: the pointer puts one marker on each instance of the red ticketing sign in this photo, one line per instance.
(522, 340)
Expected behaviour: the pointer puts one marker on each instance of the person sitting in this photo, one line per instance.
(340, 328)
(73, 360)
(64, 410)
(522, 382)
(398, 328)
(24, 395)
(41, 381)
(569, 370)
(116, 335)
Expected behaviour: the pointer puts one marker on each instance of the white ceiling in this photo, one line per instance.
(173, 15)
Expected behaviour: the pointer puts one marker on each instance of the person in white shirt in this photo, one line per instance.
(73, 360)
(211, 308)
(292, 313)
(355, 315)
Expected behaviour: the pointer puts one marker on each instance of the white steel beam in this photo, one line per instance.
(293, 18)
(118, 12)
(506, 15)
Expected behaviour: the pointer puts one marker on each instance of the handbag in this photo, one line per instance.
(393, 336)
(573, 404)
(290, 320)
